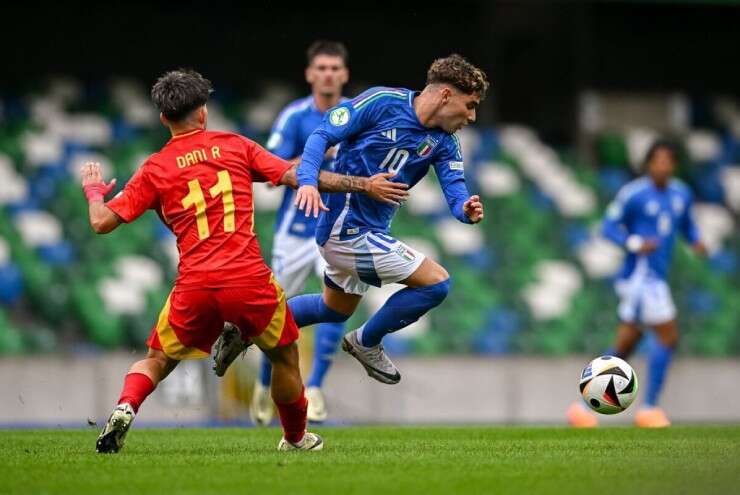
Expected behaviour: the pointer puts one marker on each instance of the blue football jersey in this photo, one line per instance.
(380, 132)
(289, 134)
(643, 209)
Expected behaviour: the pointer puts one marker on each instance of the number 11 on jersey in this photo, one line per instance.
(195, 198)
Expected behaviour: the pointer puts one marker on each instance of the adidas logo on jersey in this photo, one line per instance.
(390, 134)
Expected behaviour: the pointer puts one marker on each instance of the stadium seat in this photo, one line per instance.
(612, 150)
(11, 340)
(542, 204)
(11, 284)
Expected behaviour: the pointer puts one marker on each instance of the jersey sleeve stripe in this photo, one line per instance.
(373, 91)
(631, 189)
(458, 147)
(358, 103)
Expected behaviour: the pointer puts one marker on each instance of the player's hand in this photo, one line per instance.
(381, 188)
(700, 249)
(91, 174)
(648, 246)
(92, 182)
(473, 209)
(308, 198)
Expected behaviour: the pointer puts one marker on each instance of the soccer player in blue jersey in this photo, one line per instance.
(295, 254)
(644, 219)
(405, 133)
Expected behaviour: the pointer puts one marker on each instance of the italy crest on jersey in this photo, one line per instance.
(426, 146)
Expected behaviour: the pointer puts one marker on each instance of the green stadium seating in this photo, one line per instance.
(63, 303)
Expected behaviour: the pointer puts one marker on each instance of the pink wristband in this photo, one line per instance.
(95, 192)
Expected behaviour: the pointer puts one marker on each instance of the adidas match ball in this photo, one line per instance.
(608, 385)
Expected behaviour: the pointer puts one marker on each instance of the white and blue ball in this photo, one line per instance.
(608, 385)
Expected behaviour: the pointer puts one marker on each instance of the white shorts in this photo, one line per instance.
(293, 260)
(370, 259)
(646, 299)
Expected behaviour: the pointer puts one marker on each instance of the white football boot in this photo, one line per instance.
(376, 362)
(261, 407)
(317, 412)
(310, 441)
(113, 435)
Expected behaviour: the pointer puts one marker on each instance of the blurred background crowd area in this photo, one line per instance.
(579, 90)
(535, 277)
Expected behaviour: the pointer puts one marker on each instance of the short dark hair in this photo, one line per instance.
(460, 73)
(325, 47)
(661, 144)
(178, 92)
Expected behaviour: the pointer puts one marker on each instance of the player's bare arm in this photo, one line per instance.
(473, 209)
(102, 218)
(379, 187)
(330, 154)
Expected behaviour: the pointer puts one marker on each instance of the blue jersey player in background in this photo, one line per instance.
(295, 254)
(405, 133)
(645, 219)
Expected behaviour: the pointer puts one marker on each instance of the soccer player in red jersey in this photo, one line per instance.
(200, 185)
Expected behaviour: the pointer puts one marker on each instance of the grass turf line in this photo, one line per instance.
(378, 460)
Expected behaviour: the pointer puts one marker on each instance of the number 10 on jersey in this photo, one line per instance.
(195, 198)
(394, 160)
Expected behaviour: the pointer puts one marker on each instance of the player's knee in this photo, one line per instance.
(332, 316)
(286, 355)
(160, 358)
(667, 335)
(336, 306)
(438, 292)
(669, 340)
(439, 275)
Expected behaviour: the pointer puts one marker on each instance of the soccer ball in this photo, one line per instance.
(608, 385)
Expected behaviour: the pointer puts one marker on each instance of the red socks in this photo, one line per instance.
(293, 418)
(136, 388)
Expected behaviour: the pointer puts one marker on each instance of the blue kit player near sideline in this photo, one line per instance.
(405, 133)
(644, 219)
(295, 254)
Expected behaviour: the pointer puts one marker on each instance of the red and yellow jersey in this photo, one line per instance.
(200, 184)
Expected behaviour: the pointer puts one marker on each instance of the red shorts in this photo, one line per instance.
(192, 320)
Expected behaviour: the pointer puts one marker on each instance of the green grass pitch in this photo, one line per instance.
(378, 460)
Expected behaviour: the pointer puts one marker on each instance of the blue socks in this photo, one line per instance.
(309, 309)
(402, 309)
(265, 372)
(326, 343)
(658, 361)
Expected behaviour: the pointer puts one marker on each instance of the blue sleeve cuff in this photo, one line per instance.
(692, 235)
(459, 212)
(615, 235)
(308, 182)
(313, 156)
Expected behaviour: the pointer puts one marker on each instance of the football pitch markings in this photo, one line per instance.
(378, 460)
